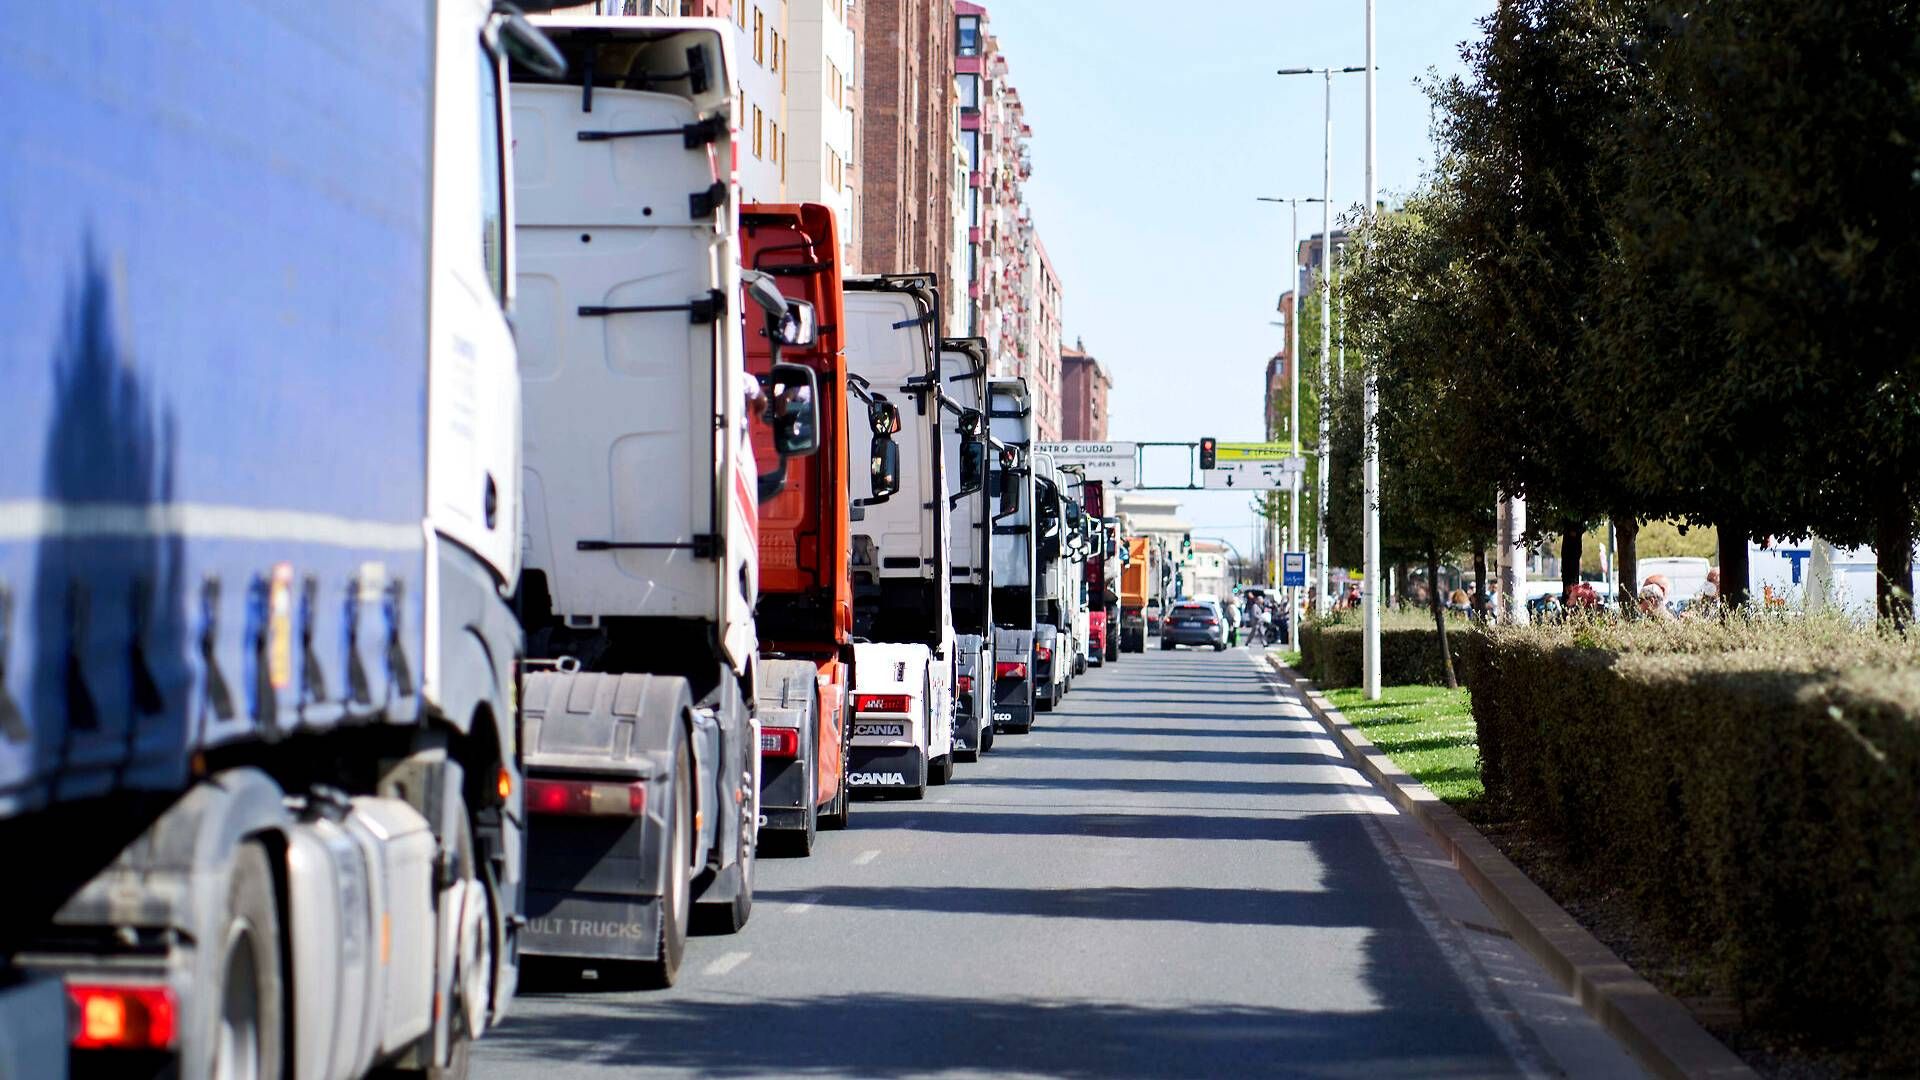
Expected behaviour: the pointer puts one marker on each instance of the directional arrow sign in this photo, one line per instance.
(1113, 463)
(1252, 451)
(1282, 475)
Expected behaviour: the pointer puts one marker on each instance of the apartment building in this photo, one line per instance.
(1083, 395)
(822, 65)
(1014, 295)
(762, 52)
(906, 137)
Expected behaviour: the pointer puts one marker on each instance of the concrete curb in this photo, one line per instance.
(1656, 1029)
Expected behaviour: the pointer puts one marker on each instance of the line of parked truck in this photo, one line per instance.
(417, 558)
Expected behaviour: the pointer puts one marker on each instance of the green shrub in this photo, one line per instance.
(1409, 649)
(1753, 785)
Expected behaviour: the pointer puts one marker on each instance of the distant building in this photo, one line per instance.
(1083, 395)
(907, 130)
(1279, 394)
(823, 109)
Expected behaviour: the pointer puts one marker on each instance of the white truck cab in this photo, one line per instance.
(906, 655)
(1014, 568)
(641, 485)
(963, 386)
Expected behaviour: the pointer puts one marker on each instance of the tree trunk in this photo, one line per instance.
(1571, 540)
(1479, 575)
(1626, 536)
(1439, 612)
(1893, 552)
(1733, 565)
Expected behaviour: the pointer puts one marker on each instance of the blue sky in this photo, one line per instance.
(1153, 134)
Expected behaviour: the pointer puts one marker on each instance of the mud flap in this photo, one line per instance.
(886, 768)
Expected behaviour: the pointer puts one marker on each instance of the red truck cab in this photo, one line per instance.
(804, 612)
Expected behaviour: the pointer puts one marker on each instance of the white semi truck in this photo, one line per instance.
(963, 386)
(905, 653)
(641, 565)
(1052, 633)
(1014, 568)
(259, 779)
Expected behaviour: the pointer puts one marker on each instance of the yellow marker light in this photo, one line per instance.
(104, 1020)
(503, 783)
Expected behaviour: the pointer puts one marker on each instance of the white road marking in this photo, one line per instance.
(801, 906)
(727, 962)
(866, 857)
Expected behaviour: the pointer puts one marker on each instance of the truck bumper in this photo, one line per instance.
(886, 768)
(968, 728)
(603, 927)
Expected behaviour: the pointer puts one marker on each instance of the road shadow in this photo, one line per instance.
(1191, 904)
(890, 1035)
(1178, 757)
(974, 821)
(1148, 785)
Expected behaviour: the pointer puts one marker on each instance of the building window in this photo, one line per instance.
(740, 13)
(775, 35)
(966, 35)
(969, 87)
(756, 131)
(759, 37)
(971, 139)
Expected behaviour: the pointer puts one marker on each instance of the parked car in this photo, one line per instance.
(1194, 622)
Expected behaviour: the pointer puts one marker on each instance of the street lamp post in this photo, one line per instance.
(1370, 440)
(1293, 393)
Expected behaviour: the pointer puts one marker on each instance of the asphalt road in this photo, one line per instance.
(1175, 874)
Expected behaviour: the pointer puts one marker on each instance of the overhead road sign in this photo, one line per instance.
(1113, 463)
(1282, 475)
(1251, 451)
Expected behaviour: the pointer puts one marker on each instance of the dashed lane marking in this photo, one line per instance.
(727, 962)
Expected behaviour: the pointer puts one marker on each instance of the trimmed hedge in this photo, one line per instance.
(1409, 651)
(1754, 789)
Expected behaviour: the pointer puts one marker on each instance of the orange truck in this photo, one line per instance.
(1135, 585)
(804, 611)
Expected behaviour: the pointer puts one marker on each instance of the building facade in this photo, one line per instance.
(1039, 343)
(1279, 394)
(906, 136)
(823, 112)
(1083, 395)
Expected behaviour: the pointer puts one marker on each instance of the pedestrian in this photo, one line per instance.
(1653, 598)
(1458, 601)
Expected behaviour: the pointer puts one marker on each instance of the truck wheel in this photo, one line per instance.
(676, 894)
(986, 737)
(1165, 645)
(940, 769)
(249, 1034)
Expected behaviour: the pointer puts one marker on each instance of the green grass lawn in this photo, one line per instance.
(1291, 658)
(1426, 730)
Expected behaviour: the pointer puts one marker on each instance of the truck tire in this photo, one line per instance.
(249, 1037)
(1165, 645)
(676, 895)
(986, 737)
(940, 770)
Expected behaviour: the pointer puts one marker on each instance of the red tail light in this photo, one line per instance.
(779, 742)
(1009, 669)
(963, 683)
(880, 702)
(120, 1017)
(586, 798)
(1042, 652)
(1209, 621)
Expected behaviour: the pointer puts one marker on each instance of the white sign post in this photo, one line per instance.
(1115, 464)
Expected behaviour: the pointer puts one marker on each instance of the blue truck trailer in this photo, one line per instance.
(259, 517)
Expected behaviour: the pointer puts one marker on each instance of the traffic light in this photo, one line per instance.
(1207, 449)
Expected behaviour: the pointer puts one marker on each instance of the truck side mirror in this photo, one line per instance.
(793, 409)
(973, 466)
(884, 417)
(885, 468)
(800, 326)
